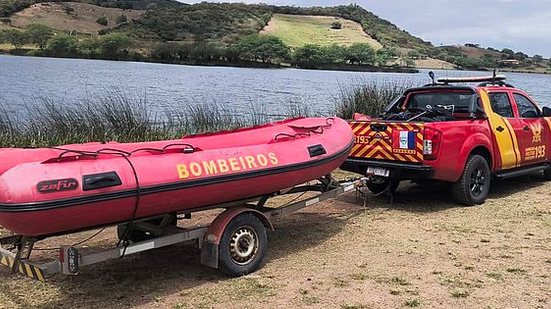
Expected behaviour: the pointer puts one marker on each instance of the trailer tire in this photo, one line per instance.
(474, 185)
(242, 246)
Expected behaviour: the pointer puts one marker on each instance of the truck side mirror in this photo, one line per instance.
(546, 111)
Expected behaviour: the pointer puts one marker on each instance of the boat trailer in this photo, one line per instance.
(235, 241)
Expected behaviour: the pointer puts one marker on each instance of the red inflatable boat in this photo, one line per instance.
(52, 191)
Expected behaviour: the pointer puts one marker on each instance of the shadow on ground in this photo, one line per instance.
(433, 197)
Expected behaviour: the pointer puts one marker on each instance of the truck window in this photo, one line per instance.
(501, 104)
(526, 109)
(458, 101)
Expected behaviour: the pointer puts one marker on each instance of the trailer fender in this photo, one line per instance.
(211, 241)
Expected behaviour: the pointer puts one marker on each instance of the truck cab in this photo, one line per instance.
(463, 135)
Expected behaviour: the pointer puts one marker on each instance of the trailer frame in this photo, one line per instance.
(15, 251)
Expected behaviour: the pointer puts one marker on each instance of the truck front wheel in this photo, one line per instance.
(474, 185)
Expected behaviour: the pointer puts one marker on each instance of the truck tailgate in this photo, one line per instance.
(391, 141)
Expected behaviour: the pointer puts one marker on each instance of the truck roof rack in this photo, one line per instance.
(493, 80)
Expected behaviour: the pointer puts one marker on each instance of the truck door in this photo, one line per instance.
(531, 130)
(500, 114)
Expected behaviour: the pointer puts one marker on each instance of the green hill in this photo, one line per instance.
(149, 23)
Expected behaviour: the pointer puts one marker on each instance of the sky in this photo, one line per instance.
(522, 25)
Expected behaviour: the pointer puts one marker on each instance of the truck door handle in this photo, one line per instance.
(526, 128)
(500, 129)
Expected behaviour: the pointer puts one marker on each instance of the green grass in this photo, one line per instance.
(296, 31)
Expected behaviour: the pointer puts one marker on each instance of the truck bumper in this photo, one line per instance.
(398, 171)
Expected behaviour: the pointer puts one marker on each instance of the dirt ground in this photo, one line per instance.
(420, 251)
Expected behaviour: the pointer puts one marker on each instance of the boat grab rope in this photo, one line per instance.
(187, 148)
(319, 129)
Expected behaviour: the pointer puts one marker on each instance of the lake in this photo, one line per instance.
(25, 81)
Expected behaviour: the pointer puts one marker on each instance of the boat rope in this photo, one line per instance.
(319, 129)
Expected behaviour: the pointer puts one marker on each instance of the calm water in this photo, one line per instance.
(26, 80)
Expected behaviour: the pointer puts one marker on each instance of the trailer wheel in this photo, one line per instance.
(474, 185)
(242, 246)
(135, 235)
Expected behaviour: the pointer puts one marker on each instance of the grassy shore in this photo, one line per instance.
(126, 118)
(118, 117)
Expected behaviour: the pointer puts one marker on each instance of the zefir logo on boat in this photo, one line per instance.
(229, 165)
(51, 186)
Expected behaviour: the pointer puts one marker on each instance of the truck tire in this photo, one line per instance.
(474, 185)
(242, 246)
(547, 174)
(378, 188)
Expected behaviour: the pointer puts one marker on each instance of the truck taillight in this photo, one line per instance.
(431, 143)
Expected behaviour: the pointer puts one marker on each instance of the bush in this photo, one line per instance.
(114, 45)
(369, 98)
(102, 21)
(336, 25)
(121, 19)
(62, 46)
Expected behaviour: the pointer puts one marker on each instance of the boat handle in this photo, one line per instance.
(99, 181)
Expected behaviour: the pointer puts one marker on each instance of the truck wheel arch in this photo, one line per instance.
(477, 144)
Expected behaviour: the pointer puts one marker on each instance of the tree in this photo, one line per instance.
(508, 52)
(62, 46)
(39, 35)
(537, 58)
(121, 19)
(114, 45)
(360, 53)
(265, 48)
(88, 46)
(102, 21)
(336, 25)
(309, 53)
(384, 55)
(16, 38)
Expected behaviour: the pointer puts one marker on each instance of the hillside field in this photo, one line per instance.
(299, 30)
(70, 16)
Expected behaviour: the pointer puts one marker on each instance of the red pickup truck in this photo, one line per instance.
(454, 133)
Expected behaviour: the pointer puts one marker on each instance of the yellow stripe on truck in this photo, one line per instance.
(506, 139)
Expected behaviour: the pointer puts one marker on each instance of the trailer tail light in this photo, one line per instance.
(431, 143)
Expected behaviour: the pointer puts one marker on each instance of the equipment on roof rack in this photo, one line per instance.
(494, 80)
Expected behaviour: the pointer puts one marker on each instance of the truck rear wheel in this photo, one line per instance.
(242, 246)
(547, 174)
(474, 185)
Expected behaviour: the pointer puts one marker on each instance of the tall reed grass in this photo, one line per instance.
(368, 97)
(123, 118)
